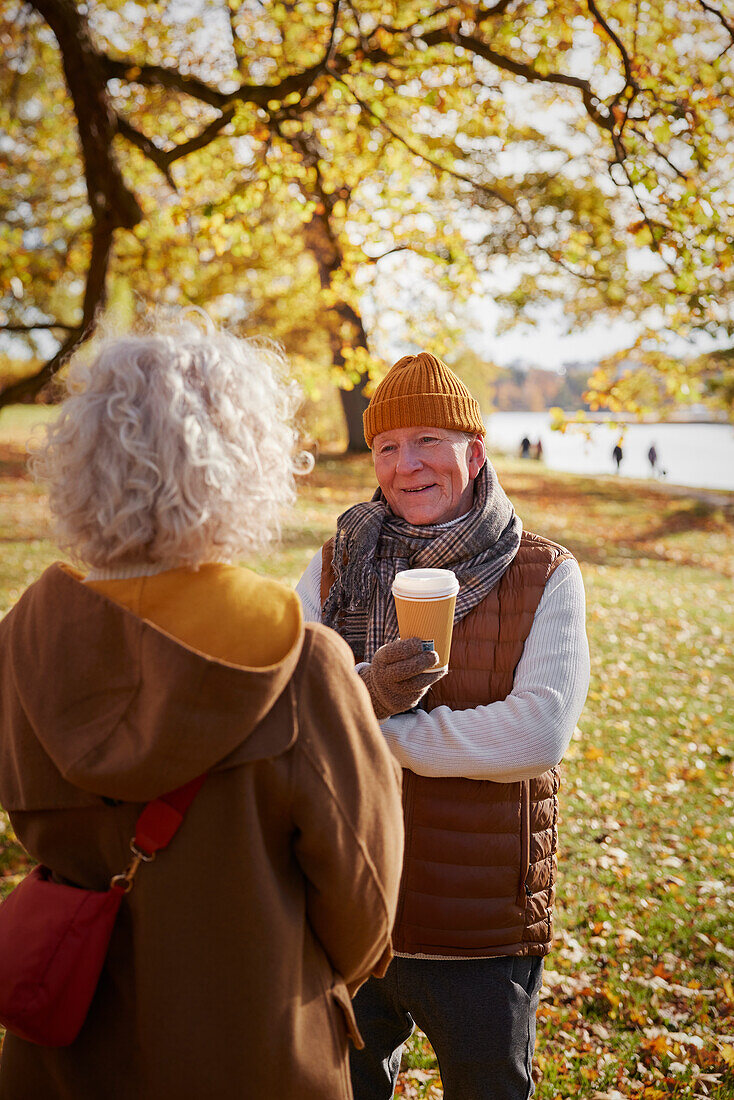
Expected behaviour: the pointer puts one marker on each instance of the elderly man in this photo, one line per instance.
(481, 752)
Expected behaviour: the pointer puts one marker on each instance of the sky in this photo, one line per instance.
(547, 345)
(550, 346)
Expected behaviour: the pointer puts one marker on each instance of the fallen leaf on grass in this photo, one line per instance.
(670, 987)
(687, 1040)
(656, 1045)
(627, 935)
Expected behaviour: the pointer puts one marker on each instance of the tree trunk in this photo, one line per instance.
(354, 403)
(111, 200)
(113, 204)
(323, 242)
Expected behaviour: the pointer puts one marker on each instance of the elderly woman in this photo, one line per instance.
(230, 960)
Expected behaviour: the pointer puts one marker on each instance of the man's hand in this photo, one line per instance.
(400, 675)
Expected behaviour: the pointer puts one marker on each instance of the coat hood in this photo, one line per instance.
(122, 709)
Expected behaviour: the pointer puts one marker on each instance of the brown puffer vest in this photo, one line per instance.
(480, 857)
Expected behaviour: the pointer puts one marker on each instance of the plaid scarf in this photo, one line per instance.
(372, 545)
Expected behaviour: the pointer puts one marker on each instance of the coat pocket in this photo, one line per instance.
(340, 995)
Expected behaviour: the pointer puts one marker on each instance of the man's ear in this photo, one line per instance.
(477, 456)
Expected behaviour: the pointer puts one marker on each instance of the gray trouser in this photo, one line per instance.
(479, 1015)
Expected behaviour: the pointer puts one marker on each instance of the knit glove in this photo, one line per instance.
(399, 676)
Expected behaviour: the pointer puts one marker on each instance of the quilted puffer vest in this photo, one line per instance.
(480, 857)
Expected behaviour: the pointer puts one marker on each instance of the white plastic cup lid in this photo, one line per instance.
(425, 584)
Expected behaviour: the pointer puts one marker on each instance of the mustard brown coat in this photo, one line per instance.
(228, 968)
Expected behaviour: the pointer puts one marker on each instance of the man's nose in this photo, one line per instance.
(408, 460)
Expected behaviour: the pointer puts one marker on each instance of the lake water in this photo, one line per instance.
(690, 454)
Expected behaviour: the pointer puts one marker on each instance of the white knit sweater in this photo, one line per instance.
(518, 737)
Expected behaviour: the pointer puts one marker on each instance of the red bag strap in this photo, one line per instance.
(155, 829)
(160, 820)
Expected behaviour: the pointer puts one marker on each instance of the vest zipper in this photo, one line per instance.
(524, 892)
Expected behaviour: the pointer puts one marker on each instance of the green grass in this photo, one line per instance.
(638, 999)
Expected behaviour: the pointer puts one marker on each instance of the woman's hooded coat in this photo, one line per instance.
(229, 965)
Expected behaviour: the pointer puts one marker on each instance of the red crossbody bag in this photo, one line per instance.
(54, 938)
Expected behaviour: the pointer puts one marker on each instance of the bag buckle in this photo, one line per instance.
(125, 881)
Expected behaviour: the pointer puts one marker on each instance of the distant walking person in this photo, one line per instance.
(525, 447)
(652, 458)
(617, 455)
(538, 450)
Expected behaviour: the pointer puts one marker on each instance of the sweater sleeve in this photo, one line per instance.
(528, 732)
(309, 590)
(347, 813)
(518, 737)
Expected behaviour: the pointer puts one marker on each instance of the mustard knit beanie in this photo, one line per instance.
(421, 390)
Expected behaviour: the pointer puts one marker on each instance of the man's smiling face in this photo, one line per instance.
(427, 474)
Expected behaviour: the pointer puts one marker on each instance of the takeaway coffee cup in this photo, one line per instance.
(425, 600)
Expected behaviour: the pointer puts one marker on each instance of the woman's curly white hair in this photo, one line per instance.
(173, 448)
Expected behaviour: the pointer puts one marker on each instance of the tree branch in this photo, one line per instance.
(329, 54)
(629, 79)
(376, 259)
(25, 391)
(45, 325)
(530, 232)
(621, 160)
(164, 158)
(600, 115)
(659, 152)
(162, 77)
(200, 140)
(719, 15)
(472, 44)
(148, 148)
(479, 15)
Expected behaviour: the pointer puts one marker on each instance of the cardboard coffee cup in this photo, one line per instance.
(425, 600)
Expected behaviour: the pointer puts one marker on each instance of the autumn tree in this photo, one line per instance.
(345, 174)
